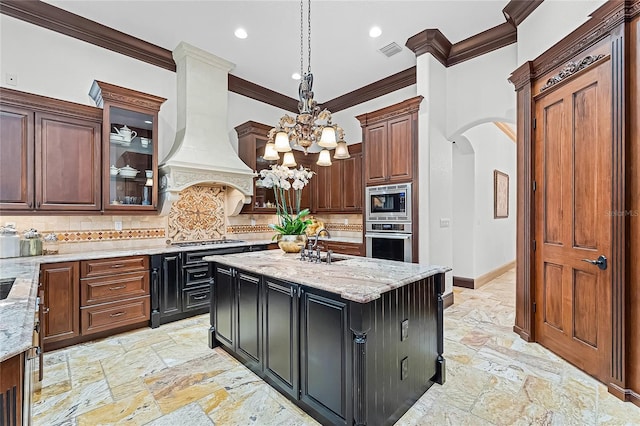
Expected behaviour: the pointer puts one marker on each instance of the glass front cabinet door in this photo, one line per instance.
(130, 153)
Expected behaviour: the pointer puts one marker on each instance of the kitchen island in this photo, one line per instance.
(357, 341)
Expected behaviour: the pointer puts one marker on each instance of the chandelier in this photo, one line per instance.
(312, 125)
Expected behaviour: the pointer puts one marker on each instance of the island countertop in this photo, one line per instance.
(359, 279)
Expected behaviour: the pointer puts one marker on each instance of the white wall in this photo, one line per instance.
(463, 212)
(494, 239)
(549, 23)
(478, 90)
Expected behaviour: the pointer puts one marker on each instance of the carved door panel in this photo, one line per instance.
(573, 199)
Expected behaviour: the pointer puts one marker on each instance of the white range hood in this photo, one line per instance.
(202, 153)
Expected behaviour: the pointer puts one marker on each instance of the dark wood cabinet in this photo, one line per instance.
(280, 335)
(338, 188)
(170, 291)
(130, 164)
(390, 138)
(223, 306)
(51, 156)
(11, 378)
(16, 158)
(325, 340)
(61, 301)
(249, 318)
(353, 249)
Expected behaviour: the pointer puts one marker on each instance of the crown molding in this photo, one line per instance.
(408, 106)
(487, 41)
(252, 127)
(41, 103)
(371, 91)
(59, 20)
(516, 11)
(259, 93)
(431, 41)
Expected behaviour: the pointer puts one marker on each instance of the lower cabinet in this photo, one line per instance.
(92, 298)
(296, 340)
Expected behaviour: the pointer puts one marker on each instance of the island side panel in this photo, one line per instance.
(400, 369)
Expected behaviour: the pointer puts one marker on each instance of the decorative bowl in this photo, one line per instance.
(292, 243)
(128, 171)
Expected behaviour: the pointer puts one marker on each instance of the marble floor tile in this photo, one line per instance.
(169, 376)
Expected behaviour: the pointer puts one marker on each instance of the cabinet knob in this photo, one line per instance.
(38, 205)
(30, 204)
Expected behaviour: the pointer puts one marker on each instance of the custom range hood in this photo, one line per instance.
(202, 153)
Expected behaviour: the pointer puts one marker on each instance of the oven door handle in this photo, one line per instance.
(389, 236)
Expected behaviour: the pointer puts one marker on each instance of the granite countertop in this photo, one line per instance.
(18, 309)
(359, 279)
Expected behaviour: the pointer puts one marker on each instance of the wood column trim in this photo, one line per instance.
(522, 78)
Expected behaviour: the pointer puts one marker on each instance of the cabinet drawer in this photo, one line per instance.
(112, 288)
(195, 298)
(346, 248)
(115, 314)
(116, 265)
(196, 276)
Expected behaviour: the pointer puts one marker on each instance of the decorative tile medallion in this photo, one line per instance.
(198, 214)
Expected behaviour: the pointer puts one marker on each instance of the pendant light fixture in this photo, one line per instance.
(312, 125)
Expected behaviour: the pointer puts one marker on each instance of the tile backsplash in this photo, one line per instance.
(198, 214)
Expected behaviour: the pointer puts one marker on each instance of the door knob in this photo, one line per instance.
(600, 262)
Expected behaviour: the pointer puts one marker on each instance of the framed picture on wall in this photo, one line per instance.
(500, 195)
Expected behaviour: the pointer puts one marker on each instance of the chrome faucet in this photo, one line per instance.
(315, 243)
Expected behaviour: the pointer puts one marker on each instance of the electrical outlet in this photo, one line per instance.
(405, 330)
(253, 222)
(404, 368)
(445, 222)
(12, 79)
(346, 221)
(117, 225)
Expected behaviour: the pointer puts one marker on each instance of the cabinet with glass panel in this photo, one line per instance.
(130, 148)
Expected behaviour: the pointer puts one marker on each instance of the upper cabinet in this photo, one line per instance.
(130, 148)
(49, 154)
(390, 139)
(338, 188)
(252, 138)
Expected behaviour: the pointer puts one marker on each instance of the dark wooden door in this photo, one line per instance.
(249, 319)
(305, 161)
(280, 328)
(223, 303)
(573, 220)
(67, 162)
(322, 188)
(324, 357)
(375, 138)
(16, 158)
(399, 155)
(170, 287)
(61, 286)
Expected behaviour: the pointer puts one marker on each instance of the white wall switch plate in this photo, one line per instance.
(117, 225)
(445, 222)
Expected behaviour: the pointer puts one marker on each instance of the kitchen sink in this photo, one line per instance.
(5, 287)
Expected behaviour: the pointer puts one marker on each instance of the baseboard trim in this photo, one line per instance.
(483, 279)
(463, 282)
(447, 300)
(626, 395)
(523, 334)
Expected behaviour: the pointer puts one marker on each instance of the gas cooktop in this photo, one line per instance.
(201, 243)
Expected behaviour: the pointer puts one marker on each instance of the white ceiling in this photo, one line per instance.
(343, 57)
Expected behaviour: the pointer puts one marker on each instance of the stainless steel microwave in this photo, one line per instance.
(388, 202)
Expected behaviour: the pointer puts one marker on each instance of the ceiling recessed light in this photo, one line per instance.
(296, 76)
(375, 32)
(241, 33)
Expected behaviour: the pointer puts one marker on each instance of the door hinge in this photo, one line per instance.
(534, 307)
(534, 245)
(535, 122)
(534, 185)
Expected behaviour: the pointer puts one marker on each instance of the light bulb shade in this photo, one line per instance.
(342, 152)
(328, 137)
(282, 142)
(289, 160)
(270, 152)
(324, 158)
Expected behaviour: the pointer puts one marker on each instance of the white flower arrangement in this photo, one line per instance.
(281, 179)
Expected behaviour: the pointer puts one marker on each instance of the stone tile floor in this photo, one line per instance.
(168, 376)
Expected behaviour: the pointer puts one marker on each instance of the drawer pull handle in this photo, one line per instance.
(204, 274)
(204, 296)
(117, 265)
(118, 288)
(119, 314)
